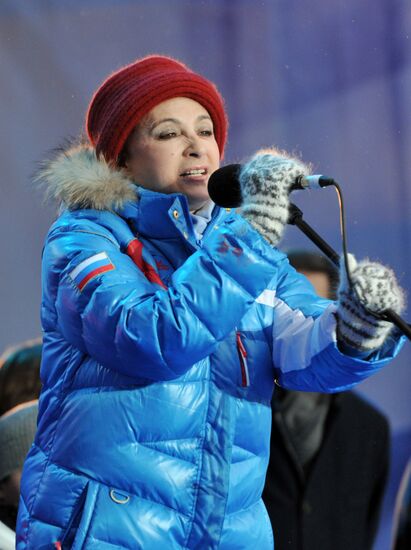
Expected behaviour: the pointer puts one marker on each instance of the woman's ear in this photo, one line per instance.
(122, 158)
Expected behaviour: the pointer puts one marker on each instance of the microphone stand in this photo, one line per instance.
(296, 218)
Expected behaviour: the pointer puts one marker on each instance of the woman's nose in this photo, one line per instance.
(195, 147)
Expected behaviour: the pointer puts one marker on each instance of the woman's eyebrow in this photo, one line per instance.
(157, 122)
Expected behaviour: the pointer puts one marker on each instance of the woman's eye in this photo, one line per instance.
(206, 132)
(167, 135)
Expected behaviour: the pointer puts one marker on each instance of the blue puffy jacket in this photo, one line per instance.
(159, 360)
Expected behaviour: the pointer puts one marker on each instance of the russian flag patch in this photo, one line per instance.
(90, 268)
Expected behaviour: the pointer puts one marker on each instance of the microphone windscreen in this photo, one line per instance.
(224, 186)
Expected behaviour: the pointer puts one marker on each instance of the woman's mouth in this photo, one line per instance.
(194, 172)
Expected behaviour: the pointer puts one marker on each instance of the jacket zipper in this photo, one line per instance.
(76, 514)
(242, 354)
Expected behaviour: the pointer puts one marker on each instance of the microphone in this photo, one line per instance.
(224, 185)
(314, 181)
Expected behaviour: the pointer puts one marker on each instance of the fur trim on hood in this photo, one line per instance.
(78, 179)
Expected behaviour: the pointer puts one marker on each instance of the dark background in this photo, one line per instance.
(330, 81)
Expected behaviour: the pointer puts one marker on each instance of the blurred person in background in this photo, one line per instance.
(402, 513)
(166, 320)
(17, 429)
(20, 374)
(19, 390)
(329, 456)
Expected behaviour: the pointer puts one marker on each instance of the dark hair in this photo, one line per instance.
(314, 262)
(20, 374)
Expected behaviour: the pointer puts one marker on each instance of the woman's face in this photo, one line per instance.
(173, 150)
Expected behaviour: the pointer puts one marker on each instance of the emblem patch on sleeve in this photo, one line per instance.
(90, 268)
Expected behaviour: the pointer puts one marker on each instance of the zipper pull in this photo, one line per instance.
(242, 354)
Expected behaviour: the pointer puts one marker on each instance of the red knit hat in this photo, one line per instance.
(131, 92)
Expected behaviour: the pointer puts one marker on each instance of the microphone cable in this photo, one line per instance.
(343, 231)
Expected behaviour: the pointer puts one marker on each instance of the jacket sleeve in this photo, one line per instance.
(134, 326)
(306, 354)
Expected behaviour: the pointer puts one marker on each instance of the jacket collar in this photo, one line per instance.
(158, 216)
(161, 216)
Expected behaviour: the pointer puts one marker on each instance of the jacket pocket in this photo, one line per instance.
(78, 526)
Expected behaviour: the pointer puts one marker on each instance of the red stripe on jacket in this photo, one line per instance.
(135, 251)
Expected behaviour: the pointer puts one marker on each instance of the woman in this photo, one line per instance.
(166, 320)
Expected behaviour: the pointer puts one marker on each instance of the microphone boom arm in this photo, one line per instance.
(296, 218)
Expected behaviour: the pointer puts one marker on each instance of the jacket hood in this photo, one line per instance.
(76, 178)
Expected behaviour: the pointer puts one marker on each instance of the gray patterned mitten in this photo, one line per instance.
(265, 183)
(378, 290)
